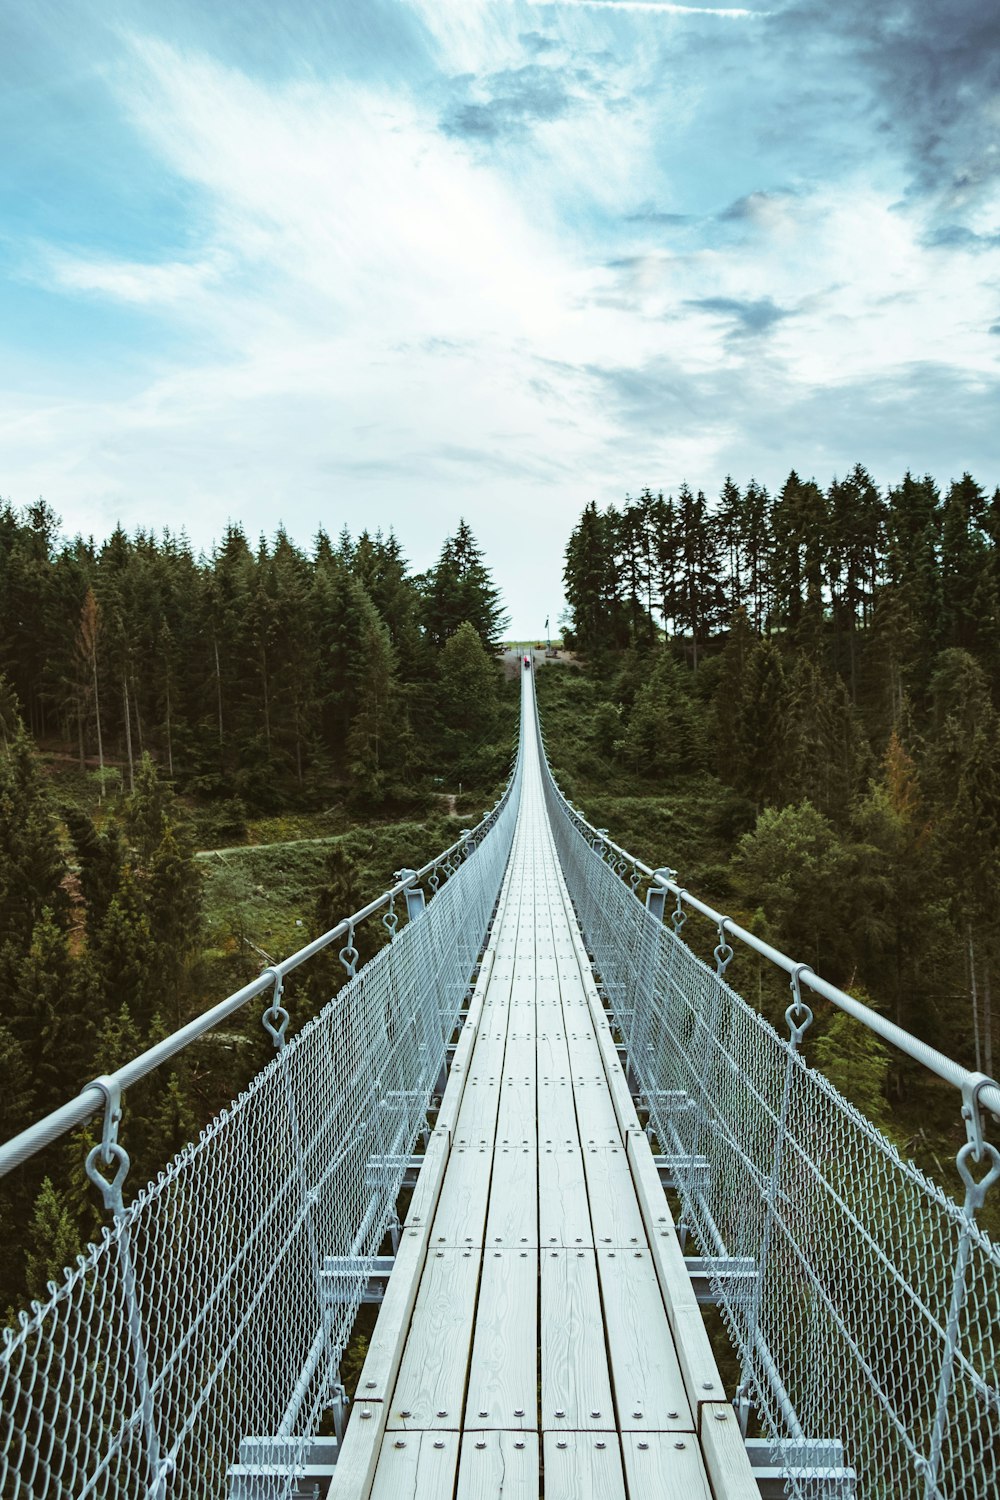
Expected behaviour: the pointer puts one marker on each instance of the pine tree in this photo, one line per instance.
(665, 733)
(122, 950)
(460, 588)
(763, 751)
(857, 1063)
(378, 739)
(32, 867)
(469, 681)
(53, 1241)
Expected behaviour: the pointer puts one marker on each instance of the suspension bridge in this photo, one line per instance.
(540, 1138)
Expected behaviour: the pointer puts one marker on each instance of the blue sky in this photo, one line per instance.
(398, 262)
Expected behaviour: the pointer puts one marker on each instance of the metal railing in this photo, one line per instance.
(870, 1314)
(204, 1318)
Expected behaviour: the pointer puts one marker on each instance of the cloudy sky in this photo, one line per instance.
(397, 261)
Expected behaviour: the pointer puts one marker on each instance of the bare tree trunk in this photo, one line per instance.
(975, 1000)
(128, 735)
(218, 683)
(987, 1022)
(138, 721)
(170, 743)
(79, 727)
(97, 716)
(267, 701)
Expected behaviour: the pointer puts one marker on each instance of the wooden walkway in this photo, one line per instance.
(539, 1327)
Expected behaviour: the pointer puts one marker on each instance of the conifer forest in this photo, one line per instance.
(792, 699)
(317, 718)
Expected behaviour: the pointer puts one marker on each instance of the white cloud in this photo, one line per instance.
(378, 323)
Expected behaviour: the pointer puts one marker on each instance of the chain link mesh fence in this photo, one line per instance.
(863, 1302)
(208, 1315)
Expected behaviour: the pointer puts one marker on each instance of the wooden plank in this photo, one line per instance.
(576, 1388)
(419, 1465)
(595, 1111)
(503, 1379)
(435, 1362)
(428, 1188)
(649, 1387)
(358, 1460)
(702, 1380)
(583, 1466)
(461, 1211)
(725, 1455)
(614, 1211)
(664, 1466)
(556, 1109)
(512, 1218)
(498, 1466)
(455, 1087)
(563, 1211)
(385, 1351)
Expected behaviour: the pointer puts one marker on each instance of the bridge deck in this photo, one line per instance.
(539, 1320)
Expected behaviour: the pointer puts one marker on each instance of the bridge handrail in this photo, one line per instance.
(973, 1086)
(34, 1138)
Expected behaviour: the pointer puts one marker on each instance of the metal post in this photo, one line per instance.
(799, 1018)
(113, 1154)
(975, 1149)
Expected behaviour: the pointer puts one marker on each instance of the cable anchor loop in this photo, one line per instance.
(679, 915)
(798, 1016)
(724, 950)
(349, 954)
(275, 1018)
(390, 919)
(110, 1151)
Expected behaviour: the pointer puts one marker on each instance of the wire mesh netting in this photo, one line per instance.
(863, 1302)
(208, 1315)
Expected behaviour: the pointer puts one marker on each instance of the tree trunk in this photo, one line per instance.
(128, 735)
(170, 743)
(987, 1022)
(97, 716)
(218, 683)
(267, 701)
(975, 1001)
(138, 721)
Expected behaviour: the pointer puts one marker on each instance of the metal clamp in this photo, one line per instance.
(798, 1008)
(349, 954)
(724, 950)
(972, 1111)
(275, 1018)
(679, 916)
(390, 919)
(111, 1152)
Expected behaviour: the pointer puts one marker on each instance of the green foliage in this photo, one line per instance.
(857, 1063)
(460, 588)
(53, 1241)
(666, 733)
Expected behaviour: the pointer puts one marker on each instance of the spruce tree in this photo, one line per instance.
(469, 683)
(460, 588)
(53, 1241)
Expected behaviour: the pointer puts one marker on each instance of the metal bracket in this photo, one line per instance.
(340, 1276)
(972, 1110)
(283, 1468)
(817, 1464)
(737, 1273)
(415, 900)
